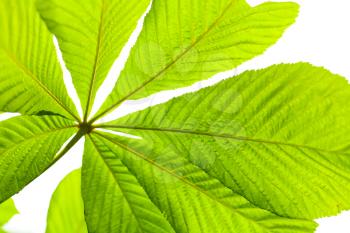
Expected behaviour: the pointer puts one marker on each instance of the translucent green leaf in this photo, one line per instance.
(66, 212)
(266, 151)
(28, 145)
(7, 211)
(111, 191)
(31, 78)
(277, 136)
(184, 41)
(190, 199)
(91, 35)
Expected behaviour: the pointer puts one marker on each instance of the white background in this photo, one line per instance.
(320, 36)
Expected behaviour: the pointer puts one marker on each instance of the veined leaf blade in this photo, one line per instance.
(187, 41)
(191, 200)
(110, 190)
(277, 136)
(31, 77)
(91, 35)
(28, 145)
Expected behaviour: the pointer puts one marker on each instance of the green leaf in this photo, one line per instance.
(66, 212)
(278, 137)
(7, 211)
(31, 77)
(111, 191)
(190, 199)
(28, 145)
(91, 35)
(266, 151)
(183, 42)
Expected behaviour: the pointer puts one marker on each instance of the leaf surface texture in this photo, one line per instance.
(257, 134)
(91, 34)
(110, 190)
(187, 41)
(28, 145)
(31, 78)
(191, 202)
(266, 151)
